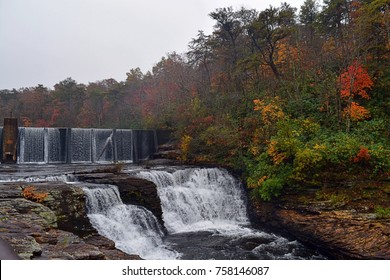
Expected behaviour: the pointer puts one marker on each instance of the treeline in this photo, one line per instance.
(283, 96)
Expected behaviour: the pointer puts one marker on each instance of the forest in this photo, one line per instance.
(286, 98)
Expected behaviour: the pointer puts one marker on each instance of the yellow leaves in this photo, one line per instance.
(27, 122)
(185, 147)
(319, 147)
(270, 112)
(286, 52)
(310, 126)
(255, 150)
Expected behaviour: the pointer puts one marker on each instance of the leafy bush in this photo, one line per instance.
(306, 164)
(382, 213)
(300, 153)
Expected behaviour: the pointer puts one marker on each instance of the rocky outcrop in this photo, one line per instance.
(338, 233)
(133, 190)
(55, 227)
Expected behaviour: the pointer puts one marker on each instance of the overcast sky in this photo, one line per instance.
(46, 41)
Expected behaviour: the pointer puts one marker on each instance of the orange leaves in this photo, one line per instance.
(356, 112)
(271, 112)
(30, 193)
(277, 157)
(355, 81)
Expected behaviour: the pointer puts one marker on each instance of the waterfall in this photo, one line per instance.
(199, 199)
(124, 145)
(32, 145)
(145, 142)
(56, 145)
(80, 145)
(86, 145)
(134, 229)
(103, 148)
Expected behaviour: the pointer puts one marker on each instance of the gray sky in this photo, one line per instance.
(46, 41)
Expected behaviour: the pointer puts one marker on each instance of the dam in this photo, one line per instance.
(40, 145)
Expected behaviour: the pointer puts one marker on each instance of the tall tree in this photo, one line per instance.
(70, 97)
(267, 32)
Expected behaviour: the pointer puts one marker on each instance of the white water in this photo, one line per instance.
(32, 145)
(199, 199)
(134, 229)
(204, 211)
(66, 178)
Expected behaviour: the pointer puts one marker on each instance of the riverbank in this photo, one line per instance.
(341, 219)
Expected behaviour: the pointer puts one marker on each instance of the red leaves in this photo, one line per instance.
(363, 156)
(355, 81)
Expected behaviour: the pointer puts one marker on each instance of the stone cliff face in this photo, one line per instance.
(55, 228)
(338, 232)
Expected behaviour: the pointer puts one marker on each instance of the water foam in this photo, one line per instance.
(134, 229)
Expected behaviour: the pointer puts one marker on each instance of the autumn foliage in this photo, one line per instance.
(30, 193)
(284, 102)
(355, 83)
(362, 156)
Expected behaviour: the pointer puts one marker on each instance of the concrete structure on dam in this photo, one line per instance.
(25, 145)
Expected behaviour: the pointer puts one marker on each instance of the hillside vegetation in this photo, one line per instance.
(287, 98)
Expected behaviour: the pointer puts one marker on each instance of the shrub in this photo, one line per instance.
(382, 213)
(307, 163)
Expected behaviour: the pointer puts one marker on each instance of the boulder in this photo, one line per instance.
(132, 190)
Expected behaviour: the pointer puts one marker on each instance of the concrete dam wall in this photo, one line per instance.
(85, 145)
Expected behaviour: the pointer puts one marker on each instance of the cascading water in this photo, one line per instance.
(66, 178)
(124, 145)
(204, 211)
(55, 145)
(81, 145)
(134, 229)
(144, 144)
(32, 145)
(199, 199)
(103, 148)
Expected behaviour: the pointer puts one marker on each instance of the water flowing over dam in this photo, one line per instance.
(84, 145)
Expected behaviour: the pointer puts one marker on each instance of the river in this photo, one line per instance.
(204, 214)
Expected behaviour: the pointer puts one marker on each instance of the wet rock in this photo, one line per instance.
(38, 230)
(341, 234)
(133, 190)
(68, 203)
